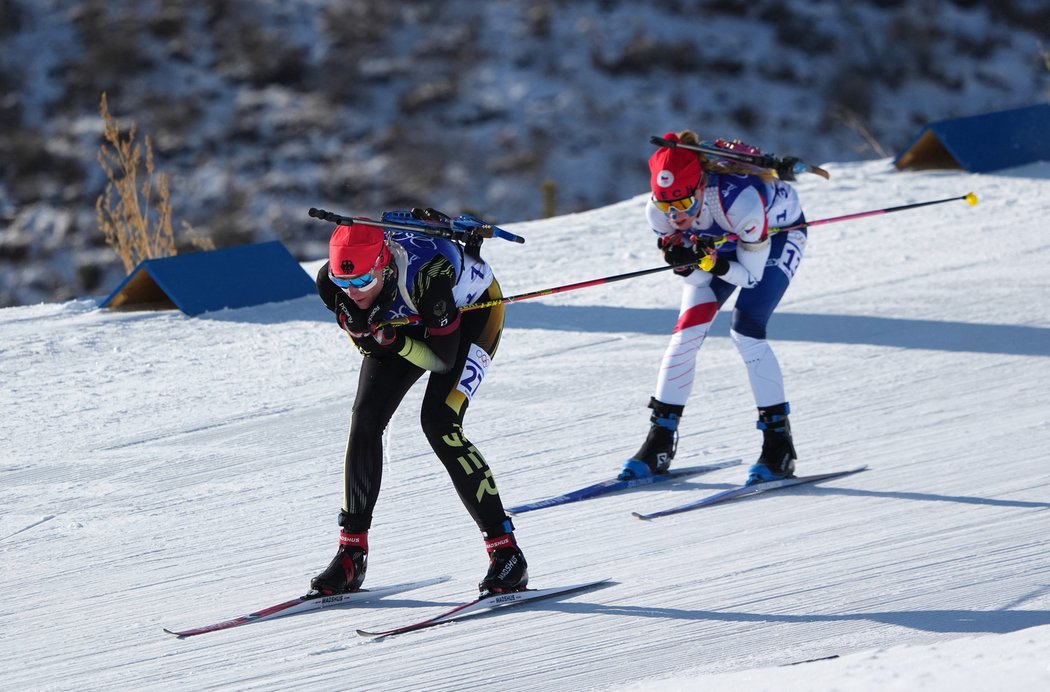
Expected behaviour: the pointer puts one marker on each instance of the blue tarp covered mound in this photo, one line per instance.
(982, 143)
(206, 281)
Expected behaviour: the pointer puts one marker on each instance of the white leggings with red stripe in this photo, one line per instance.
(702, 296)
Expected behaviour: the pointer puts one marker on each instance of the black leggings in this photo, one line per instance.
(381, 387)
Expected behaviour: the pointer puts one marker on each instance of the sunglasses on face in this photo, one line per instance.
(685, 205)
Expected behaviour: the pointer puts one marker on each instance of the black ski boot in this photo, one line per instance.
(508, 570)
(346, 571)
(659, 447)
(777, 460)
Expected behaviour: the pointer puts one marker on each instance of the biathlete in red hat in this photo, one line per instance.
(696, 201)
(371, 278)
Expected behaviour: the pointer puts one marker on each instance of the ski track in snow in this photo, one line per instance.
(163, 471)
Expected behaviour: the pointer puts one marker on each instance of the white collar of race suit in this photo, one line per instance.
(401, 262)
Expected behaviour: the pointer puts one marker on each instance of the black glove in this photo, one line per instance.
(707, 247)
(675, 253)
(720, 266)
(786, 168)
(353, 320)
(357, 321)
(380, 341)
(369, 335)
(703, 243)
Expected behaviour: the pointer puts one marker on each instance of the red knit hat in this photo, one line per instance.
(674, 173)
(357, 249)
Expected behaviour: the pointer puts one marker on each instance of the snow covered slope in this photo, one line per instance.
(162, 471)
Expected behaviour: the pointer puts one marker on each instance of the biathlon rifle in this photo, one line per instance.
(738, 151)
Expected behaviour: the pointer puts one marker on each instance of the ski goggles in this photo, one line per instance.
(358, 282)
(686, 205)
(361, 282)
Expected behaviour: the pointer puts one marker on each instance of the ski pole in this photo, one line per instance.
(970, 198)
(411, 319)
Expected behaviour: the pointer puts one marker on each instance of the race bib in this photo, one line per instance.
(792, 253)
(473, 371)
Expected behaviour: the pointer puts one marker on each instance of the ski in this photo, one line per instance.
(307, 603)
(809, 660)
(484, 604)
(748, 491)
(615, 486)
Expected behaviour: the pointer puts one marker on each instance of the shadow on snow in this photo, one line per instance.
(831, 329)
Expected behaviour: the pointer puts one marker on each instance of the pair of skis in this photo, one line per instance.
(736, 492)
(304, 604)
(492, 602)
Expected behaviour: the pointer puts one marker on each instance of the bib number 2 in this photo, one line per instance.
(473, 371)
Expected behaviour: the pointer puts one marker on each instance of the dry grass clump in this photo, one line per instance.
(135, 218)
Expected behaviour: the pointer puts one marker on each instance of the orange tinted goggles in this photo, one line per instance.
(684, 205)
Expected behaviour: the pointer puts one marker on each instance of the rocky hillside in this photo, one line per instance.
(260, 109)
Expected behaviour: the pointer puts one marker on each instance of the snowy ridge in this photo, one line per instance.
(153, 462)
(259, 110)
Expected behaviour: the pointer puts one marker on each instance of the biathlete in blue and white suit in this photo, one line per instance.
(696, 202)
(370, 279)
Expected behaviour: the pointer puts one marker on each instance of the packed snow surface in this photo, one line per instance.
(165, 471)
